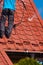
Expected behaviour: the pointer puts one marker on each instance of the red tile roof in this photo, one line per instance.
(4, 60)
(28, 34)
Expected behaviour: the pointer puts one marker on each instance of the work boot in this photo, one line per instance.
(6, 33)
(1, 34)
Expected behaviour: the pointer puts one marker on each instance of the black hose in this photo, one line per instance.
(24, 7)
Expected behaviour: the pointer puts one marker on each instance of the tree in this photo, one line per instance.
(27, 61)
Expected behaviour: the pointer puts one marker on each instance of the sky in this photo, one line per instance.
(39, 6)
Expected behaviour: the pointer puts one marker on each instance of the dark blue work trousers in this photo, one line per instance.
(6, 13)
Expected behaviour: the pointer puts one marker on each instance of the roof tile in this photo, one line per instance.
(29, 29)
(35, 48)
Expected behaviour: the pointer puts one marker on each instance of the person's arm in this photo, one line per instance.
(0, 1)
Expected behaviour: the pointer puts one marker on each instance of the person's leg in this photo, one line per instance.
(2, 24)
(10, 24)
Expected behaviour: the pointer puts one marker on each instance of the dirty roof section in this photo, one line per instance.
(28, 33)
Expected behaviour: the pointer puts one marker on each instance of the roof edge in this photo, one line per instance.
(22, 51)
(39, 17)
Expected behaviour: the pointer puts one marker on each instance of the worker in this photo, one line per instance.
(8, 10)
